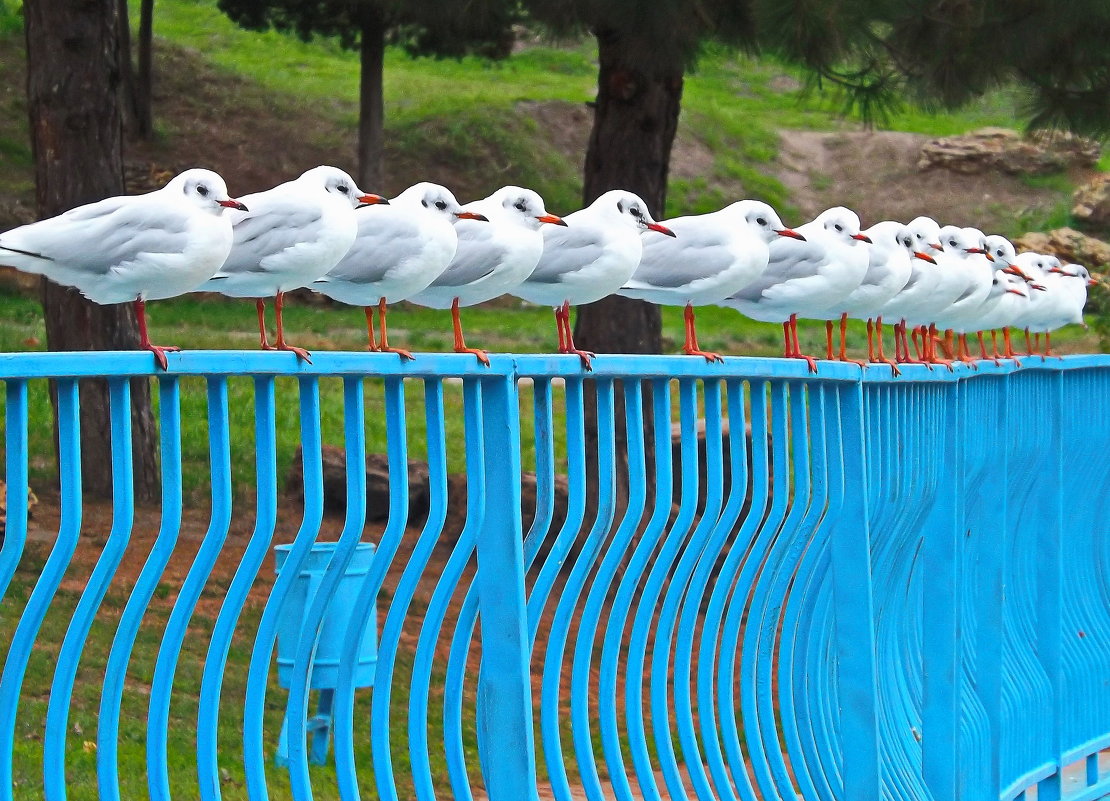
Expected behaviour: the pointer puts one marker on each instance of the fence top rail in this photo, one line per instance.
(93, 364)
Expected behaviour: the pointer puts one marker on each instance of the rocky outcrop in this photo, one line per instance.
(1070, 245)
(1004, 150)
(1092, 202)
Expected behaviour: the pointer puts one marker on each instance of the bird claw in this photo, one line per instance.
(301, 352)
(708, 355)
(893, 367)
(404, 354)
(478, 353)
(160, 352)
(812, 362)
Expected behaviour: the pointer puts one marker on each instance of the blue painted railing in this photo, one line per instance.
(841, 586)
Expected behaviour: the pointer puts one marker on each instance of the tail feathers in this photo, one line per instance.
(25, 253)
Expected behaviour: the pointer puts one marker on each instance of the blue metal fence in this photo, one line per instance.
(752, 583)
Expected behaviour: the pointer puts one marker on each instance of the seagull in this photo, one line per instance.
(962, 314)
(1006, 303)
(588, 259)
(133, 248)
(492, 258)
(1035, 268)
(805, 277)
(400, 248)
(712, 256)
(909, 301)
(292, 235)
(890, 264)
(950, 280)
(1066, 288)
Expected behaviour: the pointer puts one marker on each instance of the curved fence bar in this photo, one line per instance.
(735, 581)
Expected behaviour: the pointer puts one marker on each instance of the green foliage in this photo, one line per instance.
(11, 16)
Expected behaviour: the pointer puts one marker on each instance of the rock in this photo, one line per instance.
(1070, 245)
(1008, 151)
(1092, 202)
(377, 484)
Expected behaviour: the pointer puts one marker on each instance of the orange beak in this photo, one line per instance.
(862, 238)
(936, 246)
(232, 204)
(551, 218)
(373, 200)
(471, 215)
(790, 232)
(1017, 292)
(917, 254)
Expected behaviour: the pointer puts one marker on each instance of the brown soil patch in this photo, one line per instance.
(875, 173)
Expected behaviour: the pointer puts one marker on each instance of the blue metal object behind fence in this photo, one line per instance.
(713, 581)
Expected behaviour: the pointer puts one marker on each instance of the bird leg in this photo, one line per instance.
(983, 348)
(584, 355)
(385, 346)
(460, 343)
(280, 343)
(870, 340)
(561, 348)
(1028, 346)
(260, 307)
(882, 359)
(963, 352)
(843, 355)
(1008, 351)
(369, 310)
(931, 340)
(828, 340)
(691, 347)
(1036, 345)
(949, 344)
(797, 354)
(159, 351)
(994, 344)
(788, 346)
(1048, 347)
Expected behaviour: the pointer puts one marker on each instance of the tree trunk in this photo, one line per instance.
(635, 119)
(127, 88)
(73, 77)
(371, 111)
(144, 80)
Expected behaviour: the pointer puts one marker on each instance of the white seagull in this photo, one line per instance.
(588, 259)
(805, 277)
(1035, 269)
(962, 315)
(132, 248)
(292, 235)
(400, 248)
(492, 257)
(907, 304)
(712, 257)
(1006, 304)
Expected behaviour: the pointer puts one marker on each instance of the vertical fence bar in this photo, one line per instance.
(69, 529)
(850, 548)
(504, 703)
(169, 410)
(15, 474)
(940, 717)
(258, 546)
(73, 644)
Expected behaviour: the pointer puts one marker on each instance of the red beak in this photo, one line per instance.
(790, 232)
(373, 200)
(471, 215)
(1056, 270)
(936, 246)
(551, 218)
(232, 204)
(1092, 282)
(661, 229)
(917, 254)
(1037, 286)
(862, 238)
(1017, 292)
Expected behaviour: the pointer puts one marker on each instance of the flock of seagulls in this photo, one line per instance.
(937, 285)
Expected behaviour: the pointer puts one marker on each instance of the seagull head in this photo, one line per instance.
(204, 189)
(1005, 282)
(438, 200)
(522, 206)
(976, 243)
(764, 220)
(1001, 250)
(956, 242)
(901, 236)
(1032, 267)
(339, 184)
(926, 235)
(627, 208)
(842, 224)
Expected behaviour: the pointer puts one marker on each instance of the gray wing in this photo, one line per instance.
(379, 247)
(479, 252)
(790, 259)
(669, 262)
(98, 237)
(270, 227)
(566, 250)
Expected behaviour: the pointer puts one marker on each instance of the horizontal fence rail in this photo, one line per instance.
(372, 578)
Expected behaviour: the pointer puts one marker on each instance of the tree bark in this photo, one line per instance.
(127, 89)
(144, 79)
(371, 116)
(635, 119)
(73, 82)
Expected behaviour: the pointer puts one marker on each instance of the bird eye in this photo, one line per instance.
(202, 190)
(519, 205)
(636, 211)
(441, 204)
(760, 221)
(424, 203)
(344, 189)
(839, 227)
(995, 281)
(620, 207)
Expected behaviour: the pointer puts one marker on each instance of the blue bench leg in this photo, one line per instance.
(319, 726)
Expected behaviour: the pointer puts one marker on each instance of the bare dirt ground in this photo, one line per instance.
(876, 174)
